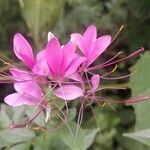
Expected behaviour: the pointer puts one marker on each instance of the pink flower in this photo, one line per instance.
(63, 63)
(62, 60)
(28, 91)
(91, 46)
(23, 51)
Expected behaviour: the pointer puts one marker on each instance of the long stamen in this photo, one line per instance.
(117, 78)
(27, 124)
(44, 98)
(79, 121)
(128, 101)
(117, 61)
(64, 122)
(67, 109)
(120, 29)
(5, 62)
(107, 73)
(116, 88)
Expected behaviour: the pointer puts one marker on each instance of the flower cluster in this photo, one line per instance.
(60, 70)
(57, 67)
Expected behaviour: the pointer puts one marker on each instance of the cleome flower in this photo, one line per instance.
(28, 91)
(91, 46)
(61, 70)
(62, 60)
(24, 52)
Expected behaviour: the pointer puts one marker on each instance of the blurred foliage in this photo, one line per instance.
(40, 16)
(142, 130)
(34, 19)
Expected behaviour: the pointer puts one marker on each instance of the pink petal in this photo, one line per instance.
(41, 55)
(23, 50)
(95, 80)
(68, 55)
(17, 99)
(100, 46)
(41, 67)
(78, 78)
(50, 36)
(89, 37)
(68, 92)
(78, 39)
(27, 84)
(30, 88)
(69, 49)
(74, 65)
(54, 56)
(20, 75)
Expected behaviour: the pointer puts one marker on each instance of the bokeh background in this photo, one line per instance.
(34, 18)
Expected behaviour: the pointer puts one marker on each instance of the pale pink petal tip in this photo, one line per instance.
(68, 92)
(50, 36)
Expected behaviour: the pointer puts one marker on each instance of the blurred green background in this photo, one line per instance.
(34, 18)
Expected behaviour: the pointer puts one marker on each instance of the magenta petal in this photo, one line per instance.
(29, 92)
(30, 88)
(78, 39)
(26, 83)
(68, 92)
(95, 80)
(76, 62)
(17, 99)
(69, 57)
(54, 56)
(89, 36)
(76, 77)
(41, 67)
(41, 55)
(69, 49)
(23, 50)
(101, 45)
(20, 75)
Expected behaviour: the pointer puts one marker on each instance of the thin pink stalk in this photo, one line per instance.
(117, 61)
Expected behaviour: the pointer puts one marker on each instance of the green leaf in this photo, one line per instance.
(49, 140)
(81, 138)
(24, 146)
(131, 144)
(71, 114)
(141, 136)
(74, 143)
(15, 135)
(4, 117)
(41, 16)
(90, 137)
(140, 85)
(32, 111)
(18, 114)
